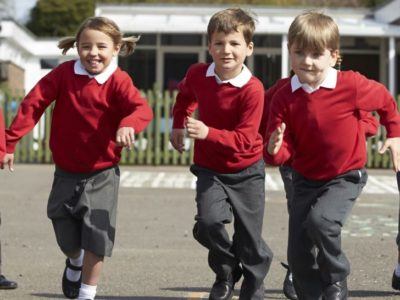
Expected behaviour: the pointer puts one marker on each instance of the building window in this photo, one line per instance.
(48, 63)
(175, 67)
(269, 41)
(356, 62)
(141, 66)
(181, 39)
(267, 68)
(360, 43)
(146, 39)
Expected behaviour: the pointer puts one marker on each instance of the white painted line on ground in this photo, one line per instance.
(377, 184)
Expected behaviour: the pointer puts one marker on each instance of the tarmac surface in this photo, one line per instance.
(155, 255)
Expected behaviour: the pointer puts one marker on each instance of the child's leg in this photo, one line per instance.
(246, 192)
(324, 223)
(301, 249)
(92, 266)
(287, 179)
(213, 212)
(63, 198)
(396, 273)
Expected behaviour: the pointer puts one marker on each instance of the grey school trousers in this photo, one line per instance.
(241, 195)
(317, 214)
(287, 178)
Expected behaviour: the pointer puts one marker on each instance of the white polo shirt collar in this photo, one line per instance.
(100, 78)
(238, 81)
(329, 82)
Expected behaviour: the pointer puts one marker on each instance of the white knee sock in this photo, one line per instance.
(73, 275)
(397, 270)
(87, 292)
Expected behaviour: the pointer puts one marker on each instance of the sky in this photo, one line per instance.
(22, 9)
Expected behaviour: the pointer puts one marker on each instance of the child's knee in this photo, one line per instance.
(318, 225)
(205, 228)
(71, 253)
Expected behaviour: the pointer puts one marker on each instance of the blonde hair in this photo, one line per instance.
(232, 19)
(315, 31)
(106, 26)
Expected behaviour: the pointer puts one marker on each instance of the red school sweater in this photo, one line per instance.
(2, 137)
(232, 114)
(85, 119)
(324, 137)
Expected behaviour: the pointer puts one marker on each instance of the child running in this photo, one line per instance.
(370, 127)
(314, 124)
(227, 155)
(97, 111)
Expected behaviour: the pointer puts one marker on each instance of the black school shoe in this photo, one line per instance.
(71, 288)
(288, 287)
(395, 282)
(6, 284)
(336, 291)
(222, 289)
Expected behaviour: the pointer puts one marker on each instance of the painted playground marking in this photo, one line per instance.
(377, 184)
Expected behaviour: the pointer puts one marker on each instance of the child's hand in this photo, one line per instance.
(196, 129)
(177, 136)
(393, 144)
(276, 139)
(125, 137)
(8, 159)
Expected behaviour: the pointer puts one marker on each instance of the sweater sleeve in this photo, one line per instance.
(136, 112)
(373, 96)
(368, 123)
(186, 102)
(243, 136)
(32, 107)
(278, 115)
(2, 137)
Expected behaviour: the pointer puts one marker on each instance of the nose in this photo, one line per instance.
(307, 59)
(93, 51)
(226, 48)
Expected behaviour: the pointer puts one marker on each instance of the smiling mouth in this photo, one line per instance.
(94, 63)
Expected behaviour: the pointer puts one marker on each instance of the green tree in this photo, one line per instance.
(59, 17)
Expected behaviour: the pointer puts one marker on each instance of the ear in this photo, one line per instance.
(250, 48)
(334, 57)
(117, 48)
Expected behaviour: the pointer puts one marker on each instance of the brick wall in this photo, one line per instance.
(12, 77)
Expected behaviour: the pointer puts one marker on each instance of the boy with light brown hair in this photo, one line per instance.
(314, 123)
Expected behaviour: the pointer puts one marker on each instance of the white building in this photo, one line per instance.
(174, 37)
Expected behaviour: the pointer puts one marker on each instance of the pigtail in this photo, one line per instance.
(66, 43)
(128, 45)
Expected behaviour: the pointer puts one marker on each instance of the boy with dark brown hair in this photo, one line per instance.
(227, 155)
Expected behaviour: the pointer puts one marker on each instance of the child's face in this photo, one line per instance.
(229, 52)
(96, 50)
(311, 66)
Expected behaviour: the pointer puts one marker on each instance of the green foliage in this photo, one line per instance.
(59, 17)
